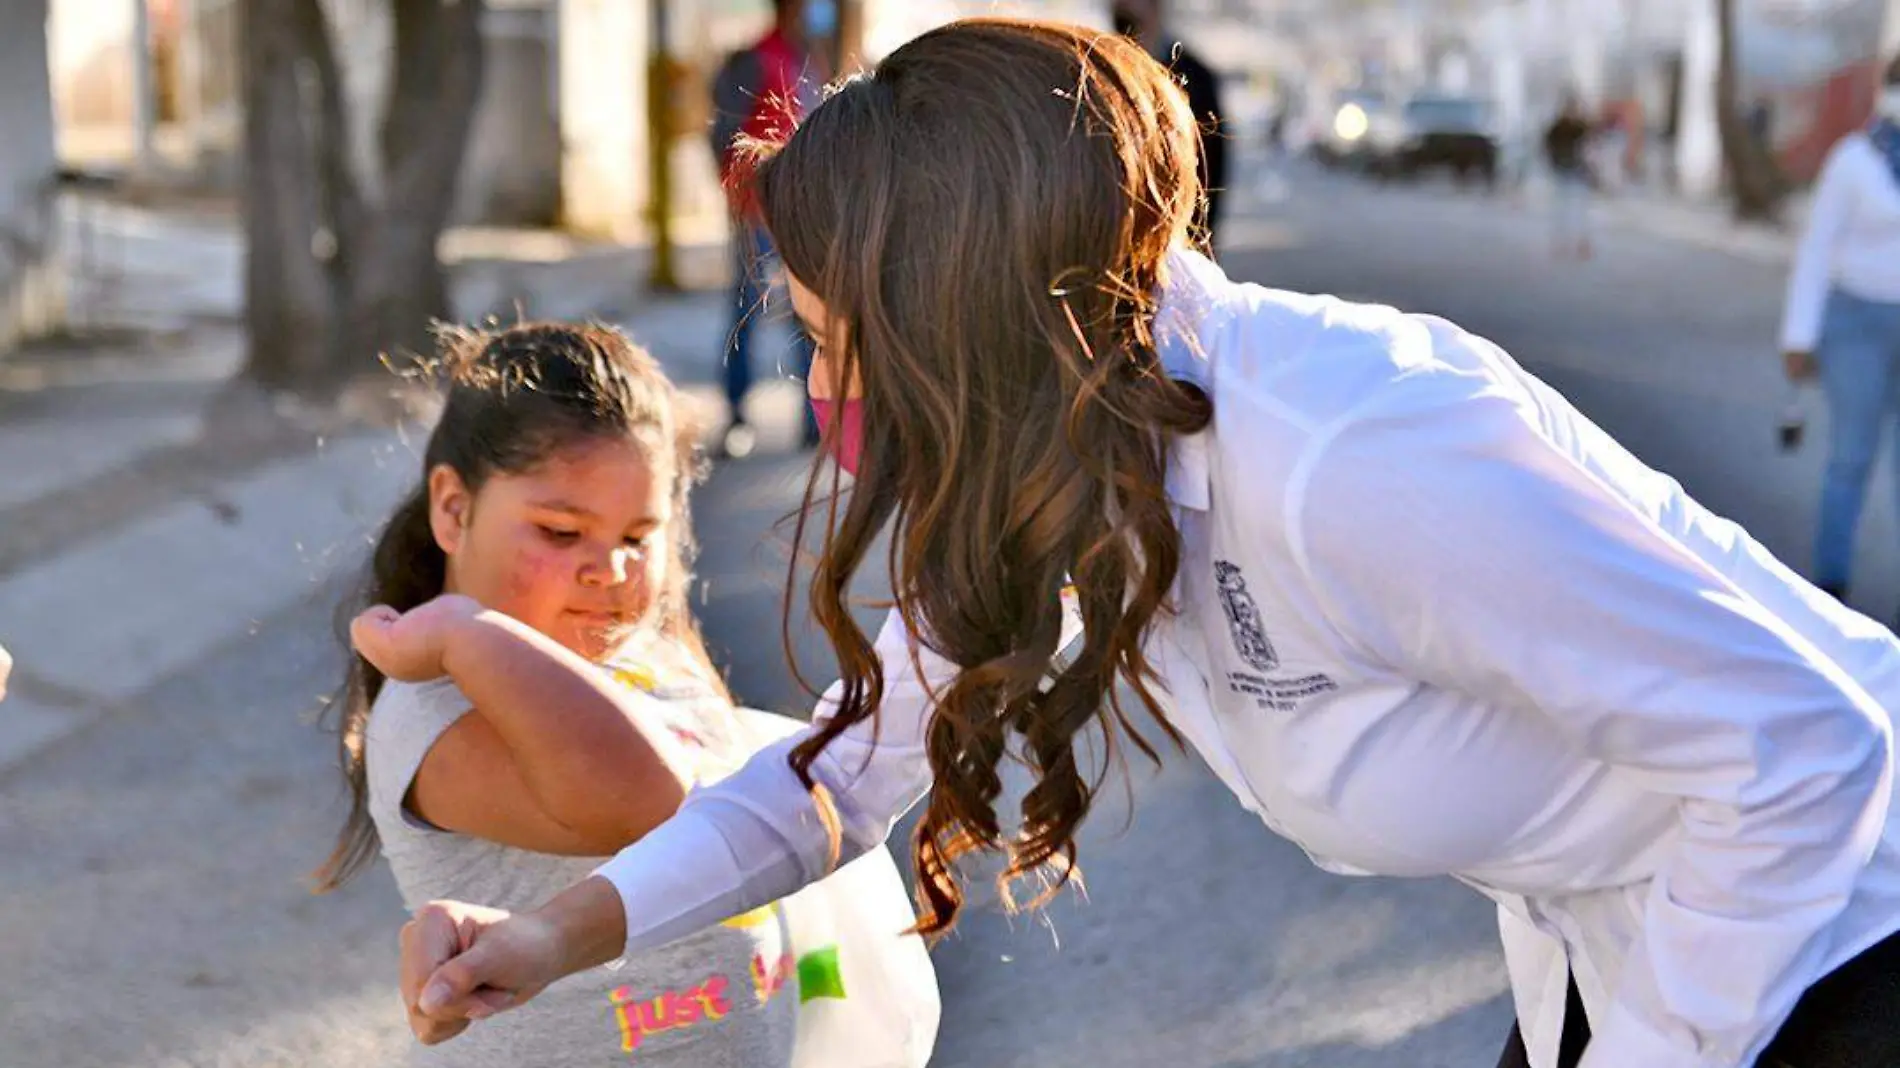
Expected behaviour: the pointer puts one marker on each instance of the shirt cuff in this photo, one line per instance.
(1798, 340)
(676, 880)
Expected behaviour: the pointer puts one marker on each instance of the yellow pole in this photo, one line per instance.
(663, 276)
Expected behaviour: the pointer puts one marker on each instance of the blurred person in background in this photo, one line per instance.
(1760, 121)
(1145, 21)
(1608, 153)
(761, 92)
(1842, 320)
(1277, 121)
(1567, 143)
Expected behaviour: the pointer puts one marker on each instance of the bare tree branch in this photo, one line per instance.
(320, 310)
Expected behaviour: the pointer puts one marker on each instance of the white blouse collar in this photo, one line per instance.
(1197, 299)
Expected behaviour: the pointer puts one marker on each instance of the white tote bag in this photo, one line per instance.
(867, 990)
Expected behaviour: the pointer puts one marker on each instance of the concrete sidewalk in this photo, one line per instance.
(1708, 225)
(1703, 224)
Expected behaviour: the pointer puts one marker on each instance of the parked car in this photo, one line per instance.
(1457, 133)
(1356, 129)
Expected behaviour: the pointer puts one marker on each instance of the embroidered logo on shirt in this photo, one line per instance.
(1243, 618)
(1251, 642)
(1280, 695)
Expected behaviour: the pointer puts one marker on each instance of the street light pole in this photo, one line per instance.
(144, 89)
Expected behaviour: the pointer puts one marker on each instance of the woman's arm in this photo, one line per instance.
(1813, 269)
(748, 840)
(556, 757)
(1450, 538)
(758, 835)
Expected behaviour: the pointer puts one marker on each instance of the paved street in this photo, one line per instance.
(151, 903)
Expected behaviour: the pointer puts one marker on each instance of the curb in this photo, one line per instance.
(1687, 226)
(1702, 225)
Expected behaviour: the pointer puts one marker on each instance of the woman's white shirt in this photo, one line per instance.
(1434, 621)
(1852, 240)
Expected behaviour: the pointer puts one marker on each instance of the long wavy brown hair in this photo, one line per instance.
(986, 217)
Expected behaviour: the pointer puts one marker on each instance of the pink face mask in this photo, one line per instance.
(846, 439)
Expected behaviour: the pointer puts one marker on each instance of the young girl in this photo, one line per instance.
(554, 496)
(1412, 607)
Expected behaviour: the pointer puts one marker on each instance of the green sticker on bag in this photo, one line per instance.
(819, 975)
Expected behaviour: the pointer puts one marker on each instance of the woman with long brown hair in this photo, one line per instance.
(1409, 605)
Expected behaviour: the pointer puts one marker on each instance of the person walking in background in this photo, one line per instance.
(1567, 152)
(1145, 21)
(1608, 154)
(1842, 320)
(759, 93)
(1761, 123)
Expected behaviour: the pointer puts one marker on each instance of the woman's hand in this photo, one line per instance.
(1799, 366)
(428, 941)
(464, 962)
(499, 960)
(408, 646)
(6, 668)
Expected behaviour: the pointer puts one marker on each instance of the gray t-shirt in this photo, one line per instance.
(724, 998)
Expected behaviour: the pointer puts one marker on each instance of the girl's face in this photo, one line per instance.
(574, 548)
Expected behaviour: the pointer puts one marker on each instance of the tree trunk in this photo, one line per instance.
(290, 309)
(398, 288)
(334, 281)
(1756, 184)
